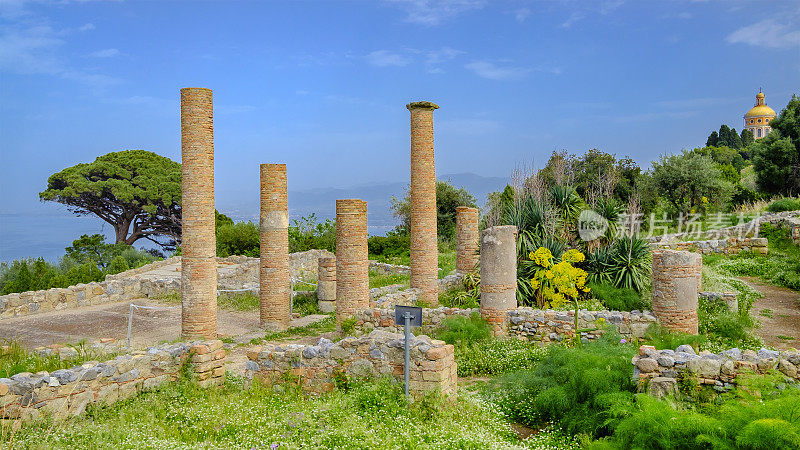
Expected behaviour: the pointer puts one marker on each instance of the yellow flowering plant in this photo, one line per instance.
(556, 283)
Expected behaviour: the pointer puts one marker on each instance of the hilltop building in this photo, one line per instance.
(758, 118)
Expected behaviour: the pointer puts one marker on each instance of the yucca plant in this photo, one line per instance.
(568, 205)
(609, 209)
(630, 264)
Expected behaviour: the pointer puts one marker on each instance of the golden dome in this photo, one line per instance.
(760, 111)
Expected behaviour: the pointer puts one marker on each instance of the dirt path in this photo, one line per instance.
(111, 321)
(779, 314)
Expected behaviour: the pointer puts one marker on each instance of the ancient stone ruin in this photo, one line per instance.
(424, 243)
(467, 238)
(326, 284)
(676, 283)
(352, 261)
(498, 275)
(275, 291)
(198, 242)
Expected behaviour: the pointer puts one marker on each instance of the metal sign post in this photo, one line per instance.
(407, 316)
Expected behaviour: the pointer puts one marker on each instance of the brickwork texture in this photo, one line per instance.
(676, 281)
(424, 243)
(198, 239)
(498, 275)
(326, 284)
(352, 259)
(274, 274)
(467, 238)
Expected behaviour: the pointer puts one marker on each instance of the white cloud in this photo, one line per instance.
(434, 12)
(433, 57)
(87, 27)
(385, 58)
(587, 8)
(492, 71)
(30, 50)
(521, 14)
(107, 53)
(767, 33)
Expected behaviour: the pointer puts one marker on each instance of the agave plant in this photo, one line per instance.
(528, 215)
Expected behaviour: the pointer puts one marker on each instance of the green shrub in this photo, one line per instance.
(726, 328)
(618, 299)
(661, 338)
(308, 234)
(784, 204)
(395, 243)
(625, 263)
(464, 331)
(497, 357)
(743, 421)
(238, 239)
(15, 359)
(306, 304)
(573, 387)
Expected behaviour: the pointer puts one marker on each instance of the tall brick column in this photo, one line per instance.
(352, 260)
(675, 283)
(467, 238)
(424, 242)
(326, 284)
(198, 236)
(275, 278)
(498, 275)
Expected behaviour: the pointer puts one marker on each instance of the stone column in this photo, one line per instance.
(424, 243)
(498, 275)
(326, 284)
(352, 260)
(198, 235)
(275, 291)
(467, 239)
(675, 282)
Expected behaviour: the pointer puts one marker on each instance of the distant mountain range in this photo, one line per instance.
(322, 201)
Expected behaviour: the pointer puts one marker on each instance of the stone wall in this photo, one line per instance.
(789, 219)
(730, 299)
(661, 369)
(523, 323)
(727, 246)
(433, 367)
(67, 392)
(388, 269)
(156, 279)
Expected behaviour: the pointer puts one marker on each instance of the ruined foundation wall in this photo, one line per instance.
(433, 366)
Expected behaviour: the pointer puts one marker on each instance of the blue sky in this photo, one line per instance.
(322, 86)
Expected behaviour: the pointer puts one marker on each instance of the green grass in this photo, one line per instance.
(305, 304)
(619, 299)
(766, 312)
(325, 325)
(377, 280)
(781, 266)
(368, 415)
(785, 338)
(15, 359)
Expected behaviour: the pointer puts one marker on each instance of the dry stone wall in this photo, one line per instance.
(524, 323)
(157, 279)
(433, 366)
(727, 246)
(662, 369)
(67, 392)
